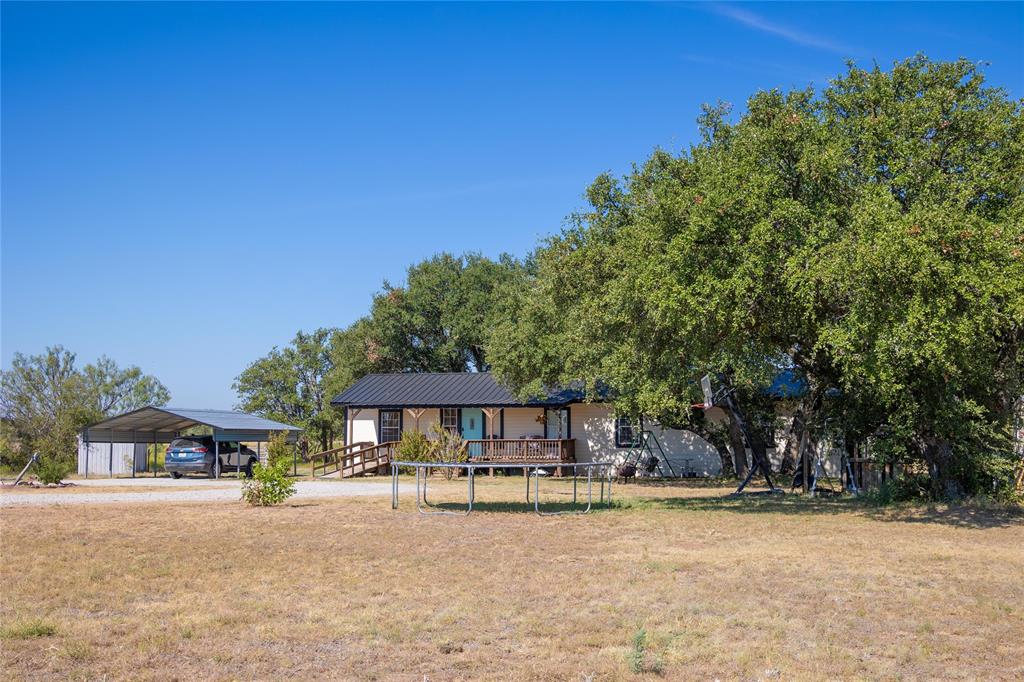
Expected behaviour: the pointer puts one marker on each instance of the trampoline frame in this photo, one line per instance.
(530, 469)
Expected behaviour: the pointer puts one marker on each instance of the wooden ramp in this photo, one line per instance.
(357, 459)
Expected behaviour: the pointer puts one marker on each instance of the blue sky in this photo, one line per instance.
(186, 185)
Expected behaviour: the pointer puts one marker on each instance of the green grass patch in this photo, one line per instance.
(28, 630)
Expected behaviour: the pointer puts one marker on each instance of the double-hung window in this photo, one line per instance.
(450, 419)
(625, 432)
(390, 425)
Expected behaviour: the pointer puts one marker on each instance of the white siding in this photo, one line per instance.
(364, 426)
(522, 421)
(429, 417)
(593, 427)
(681, 446)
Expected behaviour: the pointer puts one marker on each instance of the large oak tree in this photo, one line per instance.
(868, 236)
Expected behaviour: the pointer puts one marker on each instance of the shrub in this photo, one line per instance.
(269, 484)
(905, 488)
(51, 469)
(640, 658)
(447, 446)
(278, 449)
(414, 447)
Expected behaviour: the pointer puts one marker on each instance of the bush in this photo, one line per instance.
(640, 658)
(447, 446)
(414, 447)
(278, 449)
(905, 488)
(52, 469)
(269, 484)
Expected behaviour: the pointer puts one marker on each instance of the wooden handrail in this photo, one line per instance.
(342, 449)
(330, 457)
(362, 454)
(522, 449)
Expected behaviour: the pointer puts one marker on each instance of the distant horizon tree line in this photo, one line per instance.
(45, 401)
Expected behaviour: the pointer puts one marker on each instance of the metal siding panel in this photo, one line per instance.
(438, 390)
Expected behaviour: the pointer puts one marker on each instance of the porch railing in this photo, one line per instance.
(522, 450)
(354, 459)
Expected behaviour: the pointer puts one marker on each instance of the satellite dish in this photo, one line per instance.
(705, 387)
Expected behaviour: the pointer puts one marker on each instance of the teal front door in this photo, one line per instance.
(473, 428)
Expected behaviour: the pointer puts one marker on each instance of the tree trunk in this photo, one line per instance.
(938, 453)
(791, 451)
(728, 470)
(760, 452)
(739, 451)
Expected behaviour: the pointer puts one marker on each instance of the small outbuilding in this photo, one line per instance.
(120, 444)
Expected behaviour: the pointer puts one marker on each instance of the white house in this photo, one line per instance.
(560, 427)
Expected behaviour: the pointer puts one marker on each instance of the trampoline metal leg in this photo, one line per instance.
(394, 486)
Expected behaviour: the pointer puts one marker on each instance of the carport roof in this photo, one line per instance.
(166, 420)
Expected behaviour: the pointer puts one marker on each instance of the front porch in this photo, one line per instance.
(527, 450)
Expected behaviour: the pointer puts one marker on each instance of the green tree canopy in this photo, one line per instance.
(438, 320)
(869, 236)
(435, 322)
(46, 401)
(291, 385)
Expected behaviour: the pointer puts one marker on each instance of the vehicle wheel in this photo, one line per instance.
(175, 474)
(215, 469)
(248, 468)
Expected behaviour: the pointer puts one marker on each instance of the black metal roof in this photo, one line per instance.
(450, 389)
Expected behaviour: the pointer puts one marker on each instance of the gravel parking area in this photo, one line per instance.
(184, 490)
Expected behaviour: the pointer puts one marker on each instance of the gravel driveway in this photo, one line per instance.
(185, 490)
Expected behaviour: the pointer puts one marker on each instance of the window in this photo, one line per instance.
(556, 423)
(450, 419)
(390, 425)
(625, 432)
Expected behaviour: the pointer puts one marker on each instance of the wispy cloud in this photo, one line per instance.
(759, 23)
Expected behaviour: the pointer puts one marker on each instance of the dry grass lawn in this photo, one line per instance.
(674, 582)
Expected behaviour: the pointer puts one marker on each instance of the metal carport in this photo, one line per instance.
(153, 425)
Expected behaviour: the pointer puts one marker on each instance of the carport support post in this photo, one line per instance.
(216, 459)
(110, 471)
(154, 454)
(134, 438)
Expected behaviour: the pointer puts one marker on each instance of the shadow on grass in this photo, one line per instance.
(966, 515)
(517, 507)
(644, 495)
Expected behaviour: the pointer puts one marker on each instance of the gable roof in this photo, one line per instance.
(169, 420)
(445, 389)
